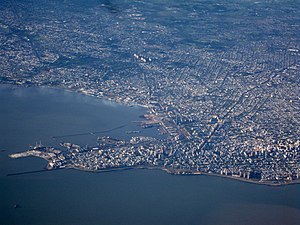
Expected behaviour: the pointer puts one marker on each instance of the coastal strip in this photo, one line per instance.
(52, 156)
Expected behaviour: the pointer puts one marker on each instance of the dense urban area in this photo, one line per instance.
(221, 80)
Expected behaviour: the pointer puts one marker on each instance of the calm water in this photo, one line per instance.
(131, 197)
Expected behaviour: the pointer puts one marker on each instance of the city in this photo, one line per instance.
(228, 101)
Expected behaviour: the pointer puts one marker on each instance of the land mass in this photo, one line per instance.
(140, 152)
(221, 81)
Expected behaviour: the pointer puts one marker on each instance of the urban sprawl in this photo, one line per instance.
(221, 81)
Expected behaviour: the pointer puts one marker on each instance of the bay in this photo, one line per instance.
(29, 115)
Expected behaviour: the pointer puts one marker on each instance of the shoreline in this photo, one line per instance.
(145, 107)
(63, 88)
(223, 176)
(117, 169)
(166, 170)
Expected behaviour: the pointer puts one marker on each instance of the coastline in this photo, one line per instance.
(60, 88)
(222, 176)
(188, 173)
(168, 171)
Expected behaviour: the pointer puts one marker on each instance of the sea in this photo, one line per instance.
(30, 115)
